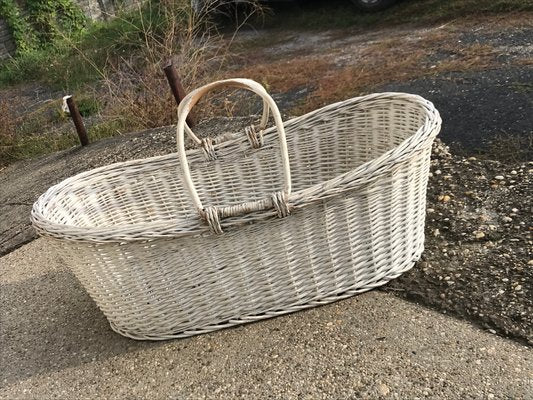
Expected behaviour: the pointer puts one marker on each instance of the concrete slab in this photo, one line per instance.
(56, 344)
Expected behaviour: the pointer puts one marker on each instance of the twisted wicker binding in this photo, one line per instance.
(259, 226)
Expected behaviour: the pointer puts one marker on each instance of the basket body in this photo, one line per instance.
(357, 221)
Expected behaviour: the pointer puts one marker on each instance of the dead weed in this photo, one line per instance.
(372, 65)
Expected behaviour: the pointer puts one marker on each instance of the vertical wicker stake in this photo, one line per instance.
(176, 87)
(78, 122)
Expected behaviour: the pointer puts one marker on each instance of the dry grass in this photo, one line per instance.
(397, 64)
(135, 88)
(288, 74)
(370, 66)
(136, 91)
(132, 92)
(469, 58)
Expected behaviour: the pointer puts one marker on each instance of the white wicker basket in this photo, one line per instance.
(333, 208)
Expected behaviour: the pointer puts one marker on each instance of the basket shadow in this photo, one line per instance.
(49, 323)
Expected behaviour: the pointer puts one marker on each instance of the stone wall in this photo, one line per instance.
(7, 46)
(103, 9)
(94, 9)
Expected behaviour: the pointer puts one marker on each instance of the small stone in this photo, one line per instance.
(515, 210)
(499, 177)
(479, 235)
(530, 262)
(383, 389)
(447, 177)
(518, 288)
(505, 280)
(507, 219)
(442, 295)
(436, 232)
(438, 172)
(472, 158)
(513, 172)
(430, 210)
(490, 396)
(446, 198)
(492, 331)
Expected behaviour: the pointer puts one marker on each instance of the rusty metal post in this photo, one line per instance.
(177, 88)
(78, 122)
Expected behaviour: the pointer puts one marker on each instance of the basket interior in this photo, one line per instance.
(322, 145)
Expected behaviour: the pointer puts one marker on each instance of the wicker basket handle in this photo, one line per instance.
(213, 214)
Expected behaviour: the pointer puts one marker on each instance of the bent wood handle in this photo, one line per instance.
(277, 200)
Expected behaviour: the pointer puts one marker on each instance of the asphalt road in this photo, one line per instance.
(479, 109)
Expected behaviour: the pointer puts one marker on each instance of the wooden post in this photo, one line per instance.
(177, 88)
(78, 122)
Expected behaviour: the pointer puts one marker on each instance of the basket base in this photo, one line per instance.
(271, 314)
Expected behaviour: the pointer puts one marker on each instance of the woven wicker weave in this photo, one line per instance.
(254, 226)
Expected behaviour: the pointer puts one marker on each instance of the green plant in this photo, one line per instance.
(45, 22)
(31, 146)
(52, 18)
(88, 106)
(107, 129)
(22, 32)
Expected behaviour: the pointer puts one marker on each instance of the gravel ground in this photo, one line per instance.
(477, 262)
(56, 344)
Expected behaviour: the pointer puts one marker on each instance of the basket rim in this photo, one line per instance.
(350, 180)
